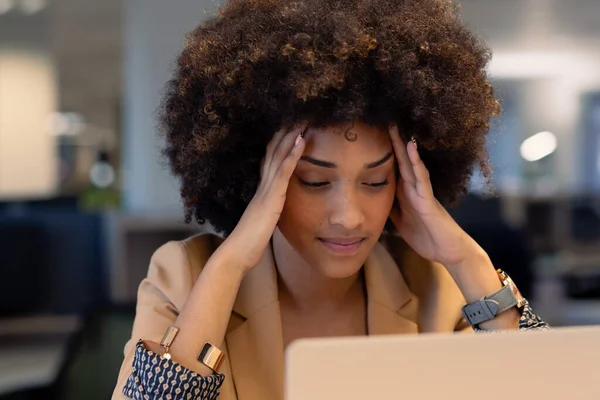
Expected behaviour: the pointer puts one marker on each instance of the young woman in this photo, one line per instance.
(322, 139)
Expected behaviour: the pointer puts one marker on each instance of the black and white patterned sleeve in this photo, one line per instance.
(530, 321)
(155, 378)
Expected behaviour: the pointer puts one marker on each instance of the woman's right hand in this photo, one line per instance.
(246, 244)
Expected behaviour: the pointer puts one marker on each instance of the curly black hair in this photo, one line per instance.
(260, 65)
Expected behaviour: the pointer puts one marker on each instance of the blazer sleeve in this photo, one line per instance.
(160, 297)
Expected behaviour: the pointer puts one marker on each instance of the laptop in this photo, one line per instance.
(563, 363)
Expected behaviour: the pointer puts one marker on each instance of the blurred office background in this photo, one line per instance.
(84, 200)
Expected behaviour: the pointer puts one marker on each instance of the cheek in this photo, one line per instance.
(379, 207)
(301, 215)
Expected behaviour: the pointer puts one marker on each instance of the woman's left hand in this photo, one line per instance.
(421, 220)
(429, 229)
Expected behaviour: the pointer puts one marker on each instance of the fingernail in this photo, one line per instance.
(299, 138)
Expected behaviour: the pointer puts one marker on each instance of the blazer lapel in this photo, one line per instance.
(255, 341)
(391, 307)
(255, 338)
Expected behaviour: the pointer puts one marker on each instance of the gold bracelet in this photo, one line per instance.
(167, 341)
(211, 356)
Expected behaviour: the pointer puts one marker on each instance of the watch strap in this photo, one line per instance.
(490, 306)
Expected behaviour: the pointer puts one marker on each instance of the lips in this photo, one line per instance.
(343, 245)
(343, 240)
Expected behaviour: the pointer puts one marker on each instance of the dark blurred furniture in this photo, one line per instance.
(585, 220)
(52, 257)
(53, 277)
(541, 217)
(24, 265)
(34, 355)
(132, 239)
(581, 246)
(506, 246)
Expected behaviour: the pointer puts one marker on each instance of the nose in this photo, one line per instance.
(346, 211)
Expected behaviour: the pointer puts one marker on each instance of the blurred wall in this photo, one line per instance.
(546, 59)
(86, 38)
(153, 36)
(28, 97)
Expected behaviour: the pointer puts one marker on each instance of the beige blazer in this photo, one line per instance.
(406, 295)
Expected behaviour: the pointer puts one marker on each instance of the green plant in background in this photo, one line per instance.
(94, 199)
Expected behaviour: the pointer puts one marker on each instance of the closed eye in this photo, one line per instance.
(378, 184)
(313, 184)
(321, 184)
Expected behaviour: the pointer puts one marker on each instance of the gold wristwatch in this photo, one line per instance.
(507, 281)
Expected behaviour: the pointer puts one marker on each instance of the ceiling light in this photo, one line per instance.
(538, 146)
(6, 6)
(32, 6)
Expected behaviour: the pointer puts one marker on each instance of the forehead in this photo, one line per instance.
(356, 140)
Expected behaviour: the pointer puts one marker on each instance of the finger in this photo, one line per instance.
(423, 181)
(284, 148)
(406, 171)
(396, 216)
(402, 222)
(262, 169)
(401, 192)
(271, 147)
(283, 174)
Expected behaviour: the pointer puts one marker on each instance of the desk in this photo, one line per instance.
(33, 350)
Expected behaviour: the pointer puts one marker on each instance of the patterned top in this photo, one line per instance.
(155, 378)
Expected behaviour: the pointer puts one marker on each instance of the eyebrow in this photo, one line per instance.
(327, 164)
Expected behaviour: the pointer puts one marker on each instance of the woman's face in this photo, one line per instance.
(339, 197)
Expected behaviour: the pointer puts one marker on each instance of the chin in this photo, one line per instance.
(336, 266)
(338, 269)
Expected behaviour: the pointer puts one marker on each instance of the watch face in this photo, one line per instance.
(507, 281)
